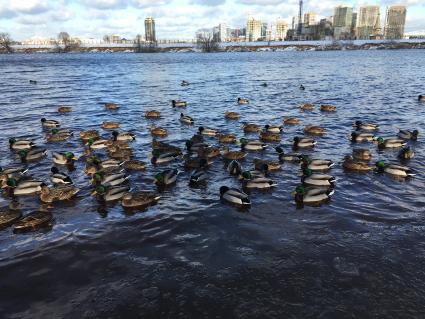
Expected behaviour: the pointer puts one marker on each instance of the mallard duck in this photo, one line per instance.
(163, 158)
(33, 82)
(252, 145)
(251, 128)
(362, 137)
(406, 153)
(207, 131)
(315, 179)
(390, 143)
(86, 135)
(242, 101)
(158, 131)
(291, 157)
(123, 136)
(226, 138)
(291, 121)
(302, 87)
(197, 138)
(97, 145)
(57, 193)
(266, 165)
(312, 195)
(208, 152)
(110, 194)
(175, 103)
(186, 119)
(233, 155)
(58, 135)
(134, 165)
(111, 106)
(9, 217)
(120, 154)
(24, 187)
(107, 163)
(359, 125)
(393, 169)
(166, 177)
(110, 179)
(58, 177)
(32, 222)
(67, 158)
(20, 144)
(362, 154)
(195, 147)
(351, 164)
(327, 108)
(234, 168)
(165, 147)
(408, 135)
(300, 142)
(270, 137)
(307, 107)
(198, 176)
(314, 130)
(259, 183)
(139, 199)
(32, 155)
(49, 123)
(110, 125)
(234, 196)
(90, 170)
(153, 114)
(252, 174)
(184, 83)
(197, 162)
(316, 164)
(16, 172)
(64, 109)
(273, 128)
(421, 98)
(232, 115)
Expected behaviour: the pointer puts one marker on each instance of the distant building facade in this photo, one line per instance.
(395, 21)
(366, 21)
(253, 29)
(310, 18)
(343, 22)
(150, 35)
(281, 30)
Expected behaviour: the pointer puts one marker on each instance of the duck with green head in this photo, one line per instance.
(32, 155)
(252, 145)
(406, 153)
(312, 195)
(316, 164)
(20, 144)
(166, 177)
(315, 179)
(390, 143)
(394, 169)
(24, 187)
(67, 158)
(109, 194)
(408, 135)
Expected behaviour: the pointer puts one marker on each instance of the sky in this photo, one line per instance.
(175, 19)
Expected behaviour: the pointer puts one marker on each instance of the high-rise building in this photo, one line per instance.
(377, 31)
(394, 22)
(353, 25)
(342, 22)
(253, 29)
(310, 18)
(366, 22)
(150, 30)
(281, 30)
(222, 32)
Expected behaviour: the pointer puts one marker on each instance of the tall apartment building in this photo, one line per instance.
(395, 21)
(253, 29)
(150, 30)
(342, 22)
(281, 30)
(310, 18)
(366, 22)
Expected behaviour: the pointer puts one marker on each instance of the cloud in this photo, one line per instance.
(29, 6)
(208, 3)
(105, 4)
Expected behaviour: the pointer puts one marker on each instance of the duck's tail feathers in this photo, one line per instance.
(330, 192)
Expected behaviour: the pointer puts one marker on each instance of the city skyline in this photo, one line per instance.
(174, 19)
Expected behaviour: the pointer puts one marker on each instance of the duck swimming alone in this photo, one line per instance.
(184, 83)
(307, 107)
(234, 196)
(64, 109)
(408, 135)
(49, 123)
(175, 103)
(291, 121)
(185, 119)
(242, 101)
(421, 98)
(153, 114)
(327, 108)
(232, 115)
(393, 169)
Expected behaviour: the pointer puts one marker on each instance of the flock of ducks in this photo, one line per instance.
(108, 162)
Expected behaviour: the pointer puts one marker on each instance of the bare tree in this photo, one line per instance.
(141, 46)
(65, 43)
(208, 43)
(6, 43)
(107, 38)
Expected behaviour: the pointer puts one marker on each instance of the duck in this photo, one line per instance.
(107, 163)
(92, 134)
(33, 221)
(406, 153)
(153, 114)
(285, 157)
(242, 101)
(408, 135)
(163, 158)
(307, 107)
(314, 130)
(64, 109)
(110, 125)
(266, 165)
(259, 183)
(291, 121)
(195, 147)
(300, 142)
(32, 155)
(16, 172)
(175, 103)
(166, 177)
(67, 158)
(197, 138)
(273, 128)
(327, 108)
(207, 131)
(110, 194)
(58, 177)
(208, 152)
(270, 137)
(421, 98)
(8, 217)
(123, 136)
(24, 187)
(252, 174)
(90, 170)
(57, 193)
(111, 106)
(226, 138)
(234, 168)
(97, 145)
(58, 135)
(362, 137)
(362, 154)
(264, 84)
(315, 179)
(390, 143)
(165, 147)
(196, 162)
(184, 83)
(359, 125)
(312, 195)
(234, 196)
(351, 164)
(199, 176)
(233, 155)
(252, 145)
(302, 87)
(33, 82)
(120, 154)
(134, 165)
(49, 123)
(20, 144)
(186, 119)
(158, 131)
(316, 164)
(251, 128)
(232, 115)
(139, 199)
(393, 169)
(113, 179)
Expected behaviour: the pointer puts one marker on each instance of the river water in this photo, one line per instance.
(191, 256)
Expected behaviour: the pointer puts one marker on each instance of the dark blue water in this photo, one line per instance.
(360, 256)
